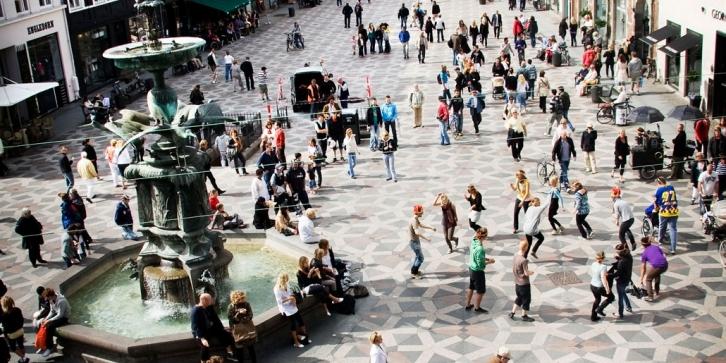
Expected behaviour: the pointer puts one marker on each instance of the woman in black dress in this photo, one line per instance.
(622, 149)
(484, 28)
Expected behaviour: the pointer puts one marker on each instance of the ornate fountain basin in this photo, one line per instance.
(142, 56)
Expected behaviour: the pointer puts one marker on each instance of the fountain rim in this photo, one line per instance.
(120, 51)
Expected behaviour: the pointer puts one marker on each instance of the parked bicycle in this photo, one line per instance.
(546, 168)
(606, 113)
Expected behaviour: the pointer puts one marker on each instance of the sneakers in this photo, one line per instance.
(555, 232)
(468, 307)
(589, 235)
(527, 318)
(298, 345)
(629, 309)
(600, 312)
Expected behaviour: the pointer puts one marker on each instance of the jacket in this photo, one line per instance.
(716, 147)
(65, 164)
(389, 112)
(31, 230)
(557, 149)
(123, 216)
(370, 114)
(86, 169)
(480, 105)
(565, 99)
(680, 147)
(587, 141)
(347, 10)
(404, 36)
(621, 147)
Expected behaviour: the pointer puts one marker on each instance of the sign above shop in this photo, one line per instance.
(718, 14)
(40, 27)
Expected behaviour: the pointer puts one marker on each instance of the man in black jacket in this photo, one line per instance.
(358, 9)
(587, 144)
(680, 152)
(565, 100)
(246, 68)
(65, 167)
(435, 9)
(403, 15)
(347, 11)
(563, 149)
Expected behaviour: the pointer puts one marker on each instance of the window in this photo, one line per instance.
(693, 66)
(45, 2)
(2, 13)
(74, 4)
(21, 6)
(673, 64)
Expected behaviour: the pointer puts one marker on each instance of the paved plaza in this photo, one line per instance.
(424, 320)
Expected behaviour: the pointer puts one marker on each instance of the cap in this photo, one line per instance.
(417, 209)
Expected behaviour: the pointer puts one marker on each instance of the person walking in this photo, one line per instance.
(474, 198)
(108, 154)
(573, 32)
(212, 62)
(556, 110)
(403, 15)
(522, 288)
(654, 264)
(474, 33)
(12, 321)
(239, 315)
(622, 275)
(262, 83)
(378, 352)
(358, 10)
(680, 152)
(404, 36)
(457, 114)
(582, 209)
(440, 26)
(442, 115)
(476, 105)
(389, 112)
(248, 71)
(478, 262)
(555, 203)
(599, 286)
(666, 203)
(64, 164)
(347, 12)
(351, 148)
(235, 147)
(31, 232)
(388, 148)
(236, 77)
(124, 219)
(421, 45)
(416, 233)
(91, 155)
(543, 90)
(565, 102)
(532, 218)
(220, 144)
(587, 145)
(449, 220)
(374, 118)
(484, 22)
(280, 143)
(415, 102)
(88, 173)
(443, 79)
(624, 219)
(516, 132)
(609, 56)
(562, 150)
(622, 150)
(228, 63)
(521, 188)
(635, 72)
(207, 165)
(497, 23)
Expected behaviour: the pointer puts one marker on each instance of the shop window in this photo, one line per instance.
(694, 66)
(21, 6)
(45, 65)
(96, 70)
(621, 12)
(46, 2)
(2, 12)
(673, 64)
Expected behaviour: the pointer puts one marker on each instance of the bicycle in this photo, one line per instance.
(292, 43)
(606, 113)
(546, 168)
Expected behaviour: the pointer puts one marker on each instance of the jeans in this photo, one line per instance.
(439, 35)
(569, 123)
(564, 168)
(625, 230)
(670, 223)
(373, 142)
(227, 72)
(443, 135)
(69, 180)
(127, 233)
(389, 161)
(351, 164)
(458, 121)
(391, 127)
(404, 19)
(573, 39)
(622, 297)
(447, 95)
(532, 38)
(418, 257)
(522, 99)
(405, 50)
(582, 225)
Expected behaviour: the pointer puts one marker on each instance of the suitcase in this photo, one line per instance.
(346, 307)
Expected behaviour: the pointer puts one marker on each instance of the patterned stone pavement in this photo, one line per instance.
(424, 320)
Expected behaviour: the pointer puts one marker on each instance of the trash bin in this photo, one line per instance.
(556, 59)
(291, 11)
(595, 93)
(351, 120)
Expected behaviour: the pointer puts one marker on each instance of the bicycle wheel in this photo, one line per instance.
(647, 227)
(543, 172)
(605, 115)
(722, 252)
(647, 172)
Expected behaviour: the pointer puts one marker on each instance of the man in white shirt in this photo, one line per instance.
(228, 60)
(306, 227)
(259, 187)
(708, 187)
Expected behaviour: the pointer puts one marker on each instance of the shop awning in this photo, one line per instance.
(677, 46)
(226, 6)
(660, 34)
(14, 93)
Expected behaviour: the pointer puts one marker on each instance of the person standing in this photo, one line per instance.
(599, 286)
(295, 180)
(654, 264)
(700, 132)
(449, 220)
(65, 167)
(457, 113)
(207, 165)
(248, 71)
(235, 148)
(587, 144)
(635, 72)
(484, 22)
(403, 15)
(609, 56)
(666, 204)
(343, 92)
(521, 187)
(415, 101)
(124, 219)
(88, 174)
(239, 314)
(404, 36)
(562, 150)
(532, 218)
(228, 62)
(478, 262)
(516, 132)
(358, 10)
(522, 288)
(388, 148)
(416, 233)
(351, 148)
(565, 102)
(378, 352)
(12, 321)
(280, 142)
(287, 305)
(31, 230)
(476, 105)
(624, 219)
(573, 32)
(347, 12)
(262, 83)
(207, 329)
(212, 62)
(622, 150)
(220, 144)
(497, 24)
(543, 90)
(421, 45)
(374, 117)
(582, 209)
(389, 112)
(236, 77)
(442, 115)
(622, 272)
(680, 152)
(91, 155)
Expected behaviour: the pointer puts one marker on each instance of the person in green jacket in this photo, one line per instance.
(477, 263)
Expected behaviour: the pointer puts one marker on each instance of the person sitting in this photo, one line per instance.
(310, 280)
(283, 224)
(307, 228)
(43, 308)
(59, 315)
(589, 80)
(223, 220)
(213, 200)
(261, 218)
(580, 75)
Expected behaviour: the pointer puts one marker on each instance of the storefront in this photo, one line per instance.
(93, 30)
(690, 54)
(33, 49)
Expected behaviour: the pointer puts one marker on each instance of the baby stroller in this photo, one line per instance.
(650, 224)
(714, 221)
(498, 88)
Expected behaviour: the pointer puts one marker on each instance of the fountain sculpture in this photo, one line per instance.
(181, 255)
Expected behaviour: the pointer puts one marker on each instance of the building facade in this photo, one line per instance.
(34, 47)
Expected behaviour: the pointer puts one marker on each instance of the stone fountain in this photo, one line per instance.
(181, 255)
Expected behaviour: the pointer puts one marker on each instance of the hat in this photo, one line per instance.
(589, 125)
(600, 255)
(417, 209)
(503, 351)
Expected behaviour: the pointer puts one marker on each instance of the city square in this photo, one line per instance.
(366, 218)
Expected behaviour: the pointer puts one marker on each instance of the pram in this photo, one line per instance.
(498, 88)
(714, 221)
(650, 223)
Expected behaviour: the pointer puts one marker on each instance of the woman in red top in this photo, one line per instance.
(701, 129)
(518, 28)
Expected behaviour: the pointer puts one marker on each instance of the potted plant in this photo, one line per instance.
(584, 12)
(600, 23)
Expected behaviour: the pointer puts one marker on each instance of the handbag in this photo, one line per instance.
(244, 332)
(16, 334)
(40, 338)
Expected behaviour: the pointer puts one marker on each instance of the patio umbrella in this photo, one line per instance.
(645, 114)
(686, 112)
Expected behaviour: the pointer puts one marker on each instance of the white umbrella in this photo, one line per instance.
(14, 93)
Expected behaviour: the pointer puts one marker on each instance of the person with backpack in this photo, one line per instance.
(443, 79)
(442, 115)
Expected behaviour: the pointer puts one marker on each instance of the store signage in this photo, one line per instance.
(718, 14)
(40, 27)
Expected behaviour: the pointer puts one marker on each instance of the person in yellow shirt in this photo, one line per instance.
(88, 173)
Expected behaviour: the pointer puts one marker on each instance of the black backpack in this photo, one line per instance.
(231, 148)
